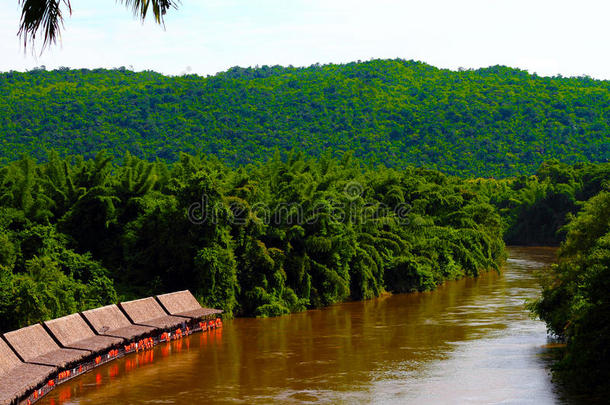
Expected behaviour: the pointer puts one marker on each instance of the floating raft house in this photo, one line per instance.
(111, 321)
(17, 378)
(182, 303)
(34, 345)
(72, 332)
(34, 359)
(148, 312)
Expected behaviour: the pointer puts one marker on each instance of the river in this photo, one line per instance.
(470, 341)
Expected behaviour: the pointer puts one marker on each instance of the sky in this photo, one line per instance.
(571, 38)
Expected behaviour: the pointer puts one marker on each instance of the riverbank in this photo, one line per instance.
(469, 340)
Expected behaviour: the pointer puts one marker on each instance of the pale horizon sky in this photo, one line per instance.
(207, 36)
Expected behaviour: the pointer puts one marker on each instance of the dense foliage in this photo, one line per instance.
(536, 208)
(263, 239)
(575, 302)
(488, 122)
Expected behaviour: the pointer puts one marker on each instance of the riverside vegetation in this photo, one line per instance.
(263, 233)
(575, 300)
(262, 240)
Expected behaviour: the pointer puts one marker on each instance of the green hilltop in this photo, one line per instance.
(496, 121)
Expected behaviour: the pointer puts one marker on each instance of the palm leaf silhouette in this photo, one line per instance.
(47, 16)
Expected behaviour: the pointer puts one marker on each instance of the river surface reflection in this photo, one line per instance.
(470, 341)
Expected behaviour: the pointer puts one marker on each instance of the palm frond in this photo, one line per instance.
(159, 7)
(47, 16)
(41, 15)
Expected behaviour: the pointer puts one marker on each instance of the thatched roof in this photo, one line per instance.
(8, 358)
(16, 377)
(131, 332)
(201, 313)
(110, 321)
(43, 356)
(23, 379)
(35, 345)
(98, 343)
(147, 311)
(166, 322)
(180, 301)
(106, 318)
(143, 309)
(73, 332)
(183, 303)
(69, 329)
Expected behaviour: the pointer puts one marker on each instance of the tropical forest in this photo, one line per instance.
(273, 192)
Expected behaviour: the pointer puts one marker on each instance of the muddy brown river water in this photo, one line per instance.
(471, 341)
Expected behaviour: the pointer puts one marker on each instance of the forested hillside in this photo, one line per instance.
(488, 122)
